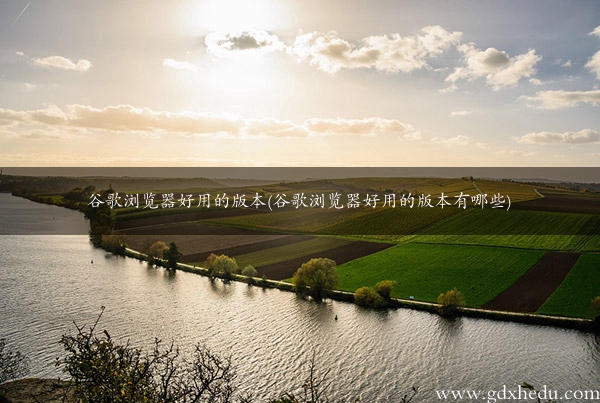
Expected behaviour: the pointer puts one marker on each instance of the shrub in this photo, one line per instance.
(13, 364)
(451, 300)
(384, 288)
(114, 243)
(367, 296)
(105, 371)
(250, 272)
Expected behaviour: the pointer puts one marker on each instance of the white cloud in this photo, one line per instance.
(390, 53)
(580, 137)
(596, 31)
(177, 65)
(223, 44)
(63, 63)
(515, 153)
(19, 53)
(127, 118)
(460, 113)
(593, 64)
(536, 81)
(450, 89)
(499, 69)
(460, 140)
(562, 99)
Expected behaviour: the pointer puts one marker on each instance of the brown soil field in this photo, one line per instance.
(562, 203)
(342, 254)
(530, 291)
(242, 249)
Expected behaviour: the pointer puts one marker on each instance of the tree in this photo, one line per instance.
(367, 296)
(315, 278)
(223, 266)
(451, 300)
(156, 251)
(172, 255)
(114, 243)
(105, 371)
(384, 288)
(249, 271)
(13, 364)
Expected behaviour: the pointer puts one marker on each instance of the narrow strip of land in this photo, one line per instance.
(530, 291)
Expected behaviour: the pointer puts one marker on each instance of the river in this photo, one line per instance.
(49, 281)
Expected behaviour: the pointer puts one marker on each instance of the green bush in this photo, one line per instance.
(450, 300)
(315, 277)
(367, 296)
(384, 288)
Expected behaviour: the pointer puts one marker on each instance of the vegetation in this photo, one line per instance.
(368, 297)
(425, 270)
(102, 370)
(375, 297)
(114, 243)
(573, 296)
(250, 272)
(315, 277)
(156, 251)
(172, 255)
(384, 288)
(450, 300)
(224, 267)
(13, 364)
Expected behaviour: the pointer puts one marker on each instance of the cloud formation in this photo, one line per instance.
(581, 137)
(59, 62)
(562, 99)
(496, 66)
(388, 53)
(177, 65)
(127, 118)
(258, 42)
(460, 113)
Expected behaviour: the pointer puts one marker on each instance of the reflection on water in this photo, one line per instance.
(48, 282)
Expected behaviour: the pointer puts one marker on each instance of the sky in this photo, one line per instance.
(147, 83)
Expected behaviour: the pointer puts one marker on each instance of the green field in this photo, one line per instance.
(425, 270)
(574, 295)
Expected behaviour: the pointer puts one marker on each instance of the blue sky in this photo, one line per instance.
(299, 83)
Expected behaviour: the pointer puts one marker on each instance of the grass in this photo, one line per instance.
(574, 295)
(488, 221)
(425, 271)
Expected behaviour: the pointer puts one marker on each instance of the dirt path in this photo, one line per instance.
(530, 292)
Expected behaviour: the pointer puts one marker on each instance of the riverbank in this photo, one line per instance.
(35, 390)
(585, 325)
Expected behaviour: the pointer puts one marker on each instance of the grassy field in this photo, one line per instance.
(425, 270)
(574, 295)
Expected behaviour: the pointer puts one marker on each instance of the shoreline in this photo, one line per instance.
(581, 324)
(585, 325)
